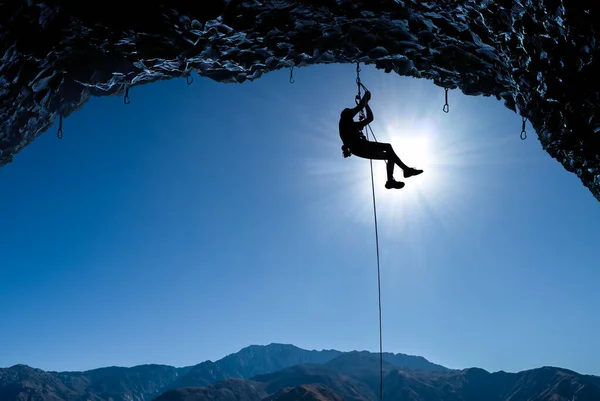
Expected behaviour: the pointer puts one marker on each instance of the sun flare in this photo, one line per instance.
(414, 141)
(423, 138)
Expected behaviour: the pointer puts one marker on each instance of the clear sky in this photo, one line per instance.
(201, 219)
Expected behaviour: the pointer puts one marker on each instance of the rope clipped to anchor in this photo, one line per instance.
(126, 98)
(446, 106)
(59, 133)
(188, 74)
(189, 79)
(362, 117)
(523, 130)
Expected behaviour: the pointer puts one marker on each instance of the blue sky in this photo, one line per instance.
(201, 219)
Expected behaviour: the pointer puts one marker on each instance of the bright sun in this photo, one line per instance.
(421, 139)
(414, 140)
(405, 213)
(410, 118)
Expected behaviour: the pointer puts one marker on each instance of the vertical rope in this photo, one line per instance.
(378, 285)
(360, 85)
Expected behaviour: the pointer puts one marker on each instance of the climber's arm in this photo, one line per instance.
(351, 113)
(368, 120)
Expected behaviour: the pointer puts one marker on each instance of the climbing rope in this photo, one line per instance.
(126, 98)
(59, 133)
(523, 131)
(446, 106)
(378, 279)
(292, 75)
(361, 113)
(362, 117)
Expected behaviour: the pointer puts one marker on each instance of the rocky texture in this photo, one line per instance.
(539, 56)
(144, 382)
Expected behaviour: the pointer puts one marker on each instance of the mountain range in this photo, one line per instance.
(280, 372)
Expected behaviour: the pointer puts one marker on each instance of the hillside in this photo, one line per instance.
(278, 372)
(357, 384)
(145, 382)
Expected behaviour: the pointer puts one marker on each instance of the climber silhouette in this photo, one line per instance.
(355, 143)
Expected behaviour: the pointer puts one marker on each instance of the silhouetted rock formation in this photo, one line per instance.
(540, 56)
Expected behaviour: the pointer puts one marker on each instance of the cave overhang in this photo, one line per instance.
(538, 57)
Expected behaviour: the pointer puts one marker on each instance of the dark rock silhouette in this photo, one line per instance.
(540, 56)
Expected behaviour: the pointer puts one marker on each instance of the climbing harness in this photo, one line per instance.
(126, 98)
(446, 106)
(523, 132)
(59, 133)
(367, 130)
(292, 75)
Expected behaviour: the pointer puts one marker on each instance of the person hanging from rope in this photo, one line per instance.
(355, 143)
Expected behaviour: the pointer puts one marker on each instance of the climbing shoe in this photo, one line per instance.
(394, 184)
(411, 172)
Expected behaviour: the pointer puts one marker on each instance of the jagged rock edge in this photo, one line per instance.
(542, 67)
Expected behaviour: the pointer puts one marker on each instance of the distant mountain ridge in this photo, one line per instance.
(349, 382)
(252, 361)
(278, 372)
(141, 383)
